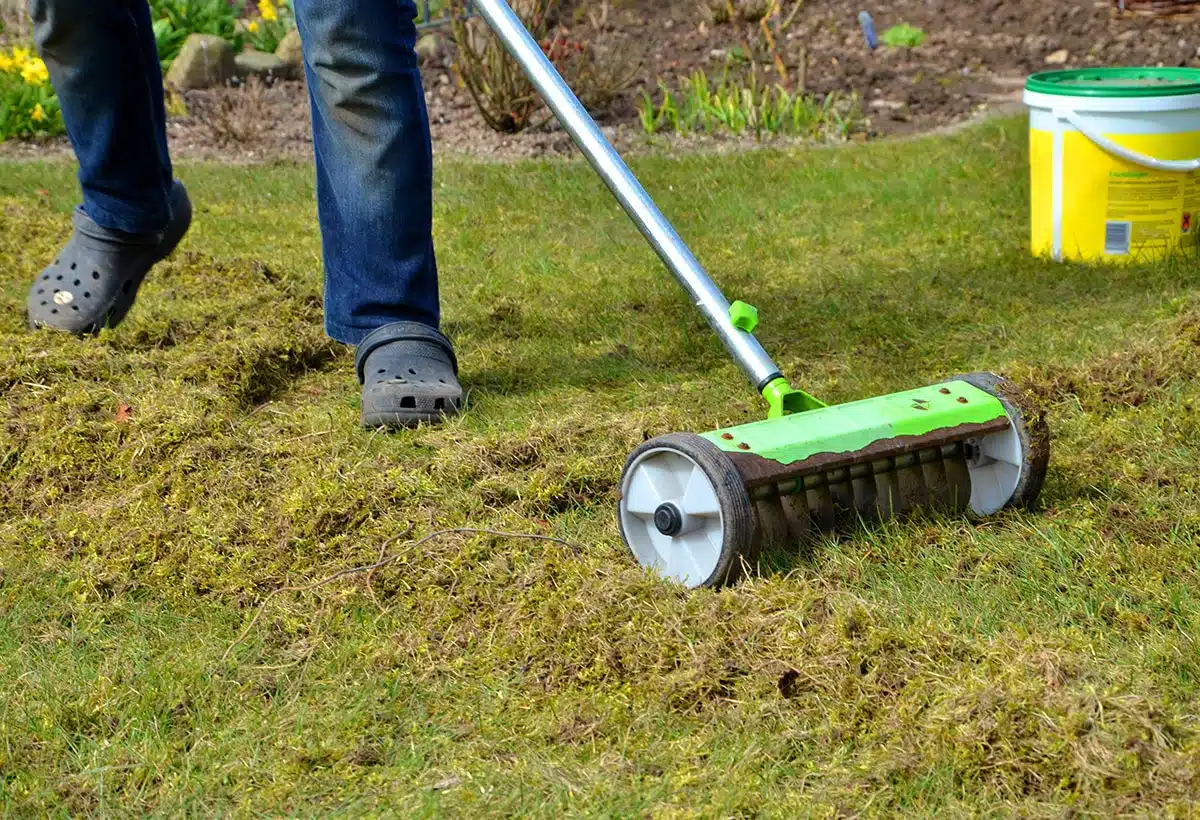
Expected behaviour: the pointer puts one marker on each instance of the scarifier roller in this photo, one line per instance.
(699, 508)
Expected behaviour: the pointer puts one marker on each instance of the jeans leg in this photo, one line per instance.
(374, 164)
(104, 67)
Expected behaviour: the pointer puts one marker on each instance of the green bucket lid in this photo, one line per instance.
(1115, 83)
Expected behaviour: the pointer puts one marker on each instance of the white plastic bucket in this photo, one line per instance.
(1114, 163)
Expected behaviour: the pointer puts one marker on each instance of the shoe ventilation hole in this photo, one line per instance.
(73, 265)
(439, 404)
(58, 278)
(41, 291)
(95, 274)
(87, 294)
(441, 381)
(54, 310)
(43, 301)
(76, 283)
(412, 372)
(408, 401)
(74, 307)
(382, 370)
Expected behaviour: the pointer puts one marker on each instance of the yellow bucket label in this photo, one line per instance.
(1113, 209)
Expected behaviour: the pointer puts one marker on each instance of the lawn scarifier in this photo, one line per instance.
(698, 508)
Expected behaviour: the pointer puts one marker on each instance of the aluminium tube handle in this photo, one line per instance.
(633, 198)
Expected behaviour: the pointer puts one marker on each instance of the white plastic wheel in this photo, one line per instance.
(1007, 469)
(662, 477)
(684, 512)
(995, 470)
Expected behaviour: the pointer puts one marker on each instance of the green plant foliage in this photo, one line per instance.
(740, 105)
(274, 21)
(903, 36)
(175, 20)
(28, 104)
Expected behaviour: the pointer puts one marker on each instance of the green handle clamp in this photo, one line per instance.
(743, 316)
(782, 398)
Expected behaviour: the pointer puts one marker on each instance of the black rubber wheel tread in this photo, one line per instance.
(740, 546)
(1029, 419)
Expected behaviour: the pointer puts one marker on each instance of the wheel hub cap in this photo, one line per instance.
(668, 519)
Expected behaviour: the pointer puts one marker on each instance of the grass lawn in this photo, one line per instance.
(161, 481)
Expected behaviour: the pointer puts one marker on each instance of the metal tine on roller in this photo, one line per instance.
(802, 508)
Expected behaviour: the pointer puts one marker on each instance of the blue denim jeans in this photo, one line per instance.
(374, 161)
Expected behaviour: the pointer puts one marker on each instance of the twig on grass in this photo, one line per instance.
(383, 553)
(306, 436)
(383, 562)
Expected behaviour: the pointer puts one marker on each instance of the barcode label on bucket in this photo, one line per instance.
(1116, 238)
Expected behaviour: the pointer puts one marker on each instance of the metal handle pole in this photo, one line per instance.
(629, 192)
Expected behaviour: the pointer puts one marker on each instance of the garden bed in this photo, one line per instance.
(974, 57)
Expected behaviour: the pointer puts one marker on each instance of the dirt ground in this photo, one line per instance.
(975, 59)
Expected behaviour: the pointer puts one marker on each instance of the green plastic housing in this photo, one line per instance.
(856, 426)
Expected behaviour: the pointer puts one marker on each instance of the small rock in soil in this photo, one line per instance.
(291, 53)
(1059, 57)
(259, 64)
(429, 47)
(204, 61)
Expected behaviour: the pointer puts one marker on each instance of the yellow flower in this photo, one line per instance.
(20, 55)
(34, 72)
(38, 114)
(267, 9)
(252, 26)
(7, 63)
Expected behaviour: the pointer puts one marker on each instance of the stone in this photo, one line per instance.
(204, 61)
(259, 64)
(430, 48)
(290, 52)
(1059, 57)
